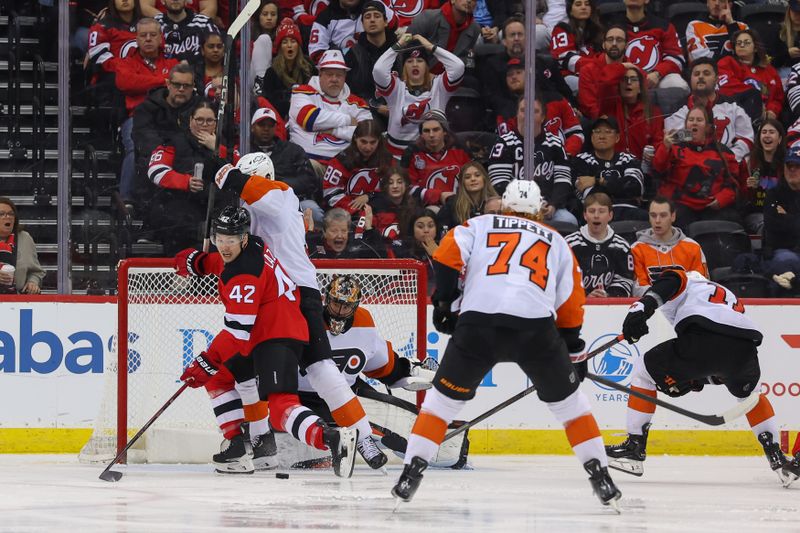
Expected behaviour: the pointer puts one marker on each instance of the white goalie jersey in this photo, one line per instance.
(359, 349)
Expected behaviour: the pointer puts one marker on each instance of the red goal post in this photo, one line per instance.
(163, 321)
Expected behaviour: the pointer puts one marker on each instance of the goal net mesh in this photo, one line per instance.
(168, 319)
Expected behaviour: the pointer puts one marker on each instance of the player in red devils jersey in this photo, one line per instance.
(263, 323)
(716, 343)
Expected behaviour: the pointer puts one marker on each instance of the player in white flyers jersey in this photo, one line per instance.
(276, 218)
(523, 303)
(716, 343)
(416, 90)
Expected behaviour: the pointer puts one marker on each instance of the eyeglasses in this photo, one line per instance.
(743, 43)
(204, 121)
(6, 214)
(181, 86)
(630, 79)
(615, 40)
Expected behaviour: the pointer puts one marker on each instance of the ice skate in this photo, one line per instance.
(374, 457)
(629, 455)
(778, 462)
(409, 481)
(265, 452)
(235, 456)
(602, 484)
(791, 470)
(342, 444)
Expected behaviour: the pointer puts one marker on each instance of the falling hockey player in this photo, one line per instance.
(716, 343)
(263, 321)
(522, 302)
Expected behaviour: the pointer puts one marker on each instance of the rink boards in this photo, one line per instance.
(53, 352)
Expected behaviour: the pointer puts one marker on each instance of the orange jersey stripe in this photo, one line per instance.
(430, 427)
(349, 413)
(582, 429)
(762, 411)
(363, 319)
(570, 314)
(256, 411)
(385, 370)
(448, 253)
(637, 404)
(257, 186)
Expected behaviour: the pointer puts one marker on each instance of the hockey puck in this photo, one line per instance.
(281, 475)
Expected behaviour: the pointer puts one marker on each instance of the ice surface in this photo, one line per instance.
(503, 494)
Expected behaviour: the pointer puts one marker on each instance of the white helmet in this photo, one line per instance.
(522, 196)
(257, 164)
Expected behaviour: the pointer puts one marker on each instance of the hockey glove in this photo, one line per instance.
(199, 372)
(635, 325)
(444, 320)
(676, 390)
(222, 175)
(190, 262)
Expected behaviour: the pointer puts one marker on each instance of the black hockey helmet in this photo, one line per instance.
(232, 221)
(342, 297)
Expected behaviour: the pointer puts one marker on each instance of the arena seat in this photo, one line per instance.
(610, 11)
(563, 228)
(721, 241)
(627, 228)
(680, 14)
(765, 18)
(743, 285)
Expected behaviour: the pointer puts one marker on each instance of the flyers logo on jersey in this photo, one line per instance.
(644, 52)
(414, 112)
(349, 361)
(654, 272)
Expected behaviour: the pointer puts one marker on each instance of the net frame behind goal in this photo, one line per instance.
(325, 267)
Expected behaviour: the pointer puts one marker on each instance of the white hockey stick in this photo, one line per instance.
(233, 30)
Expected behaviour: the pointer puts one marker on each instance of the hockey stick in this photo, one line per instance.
(233, 30)
(520, 395)
(111, 475)
(733, 413)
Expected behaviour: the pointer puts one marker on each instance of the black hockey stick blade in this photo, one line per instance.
(712, 420)
(111, 475)
(520, 395)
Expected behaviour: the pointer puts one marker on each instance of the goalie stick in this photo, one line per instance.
(733, 413)
(111, 475)
(233, 30)
(520, 395)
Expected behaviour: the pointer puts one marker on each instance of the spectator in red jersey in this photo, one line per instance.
(143, 70)
(653, 46)
(749, 68)
(353, 177)
(701, 175)
(474, 192)
(614, 43)
(434, 161)
(289, 67)
(265, 30)
(580, 37)
(394, 206)
(208, 71)
(622, 96)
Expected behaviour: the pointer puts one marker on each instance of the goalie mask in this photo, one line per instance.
(341, 301)
(257, 164)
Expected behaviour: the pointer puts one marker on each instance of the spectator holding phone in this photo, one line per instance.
(698, 173)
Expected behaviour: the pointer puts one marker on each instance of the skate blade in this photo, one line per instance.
(614, 504)
(383, 471)
(235, 472)
(634, 468)
(787, 479)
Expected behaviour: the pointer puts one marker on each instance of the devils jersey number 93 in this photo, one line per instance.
(534, 258)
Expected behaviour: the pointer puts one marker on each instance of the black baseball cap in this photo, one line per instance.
(374, 5)
(611, 122)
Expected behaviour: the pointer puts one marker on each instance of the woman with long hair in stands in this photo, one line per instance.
(353, 177)
(20, 271)
(289, 67)
(766, 171)
(394, 206)
(577, 38)
(473, 193)
(265, 28)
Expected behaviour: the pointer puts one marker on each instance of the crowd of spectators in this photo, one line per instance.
(395, 120)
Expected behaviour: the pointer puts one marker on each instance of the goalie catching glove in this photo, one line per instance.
(199, 372)
(420, 376)
(191, 262)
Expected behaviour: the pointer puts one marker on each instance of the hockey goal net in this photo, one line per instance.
(164, 320)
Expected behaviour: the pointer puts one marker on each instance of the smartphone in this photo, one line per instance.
(682, 136)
